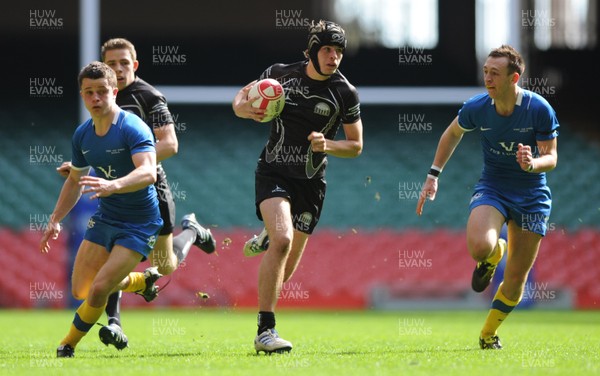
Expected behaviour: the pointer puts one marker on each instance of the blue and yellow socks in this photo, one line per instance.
(85, 317)
(501, 307)
(136, 282)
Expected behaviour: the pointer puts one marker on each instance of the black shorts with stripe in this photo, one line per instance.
(306, 197)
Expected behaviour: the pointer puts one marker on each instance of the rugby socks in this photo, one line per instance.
(85, 317)
(501, 307)
(113, 308)
(182, 243)
(266, 320)
(136, 282)
(496, 255)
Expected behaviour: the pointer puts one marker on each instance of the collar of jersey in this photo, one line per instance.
(519, 97)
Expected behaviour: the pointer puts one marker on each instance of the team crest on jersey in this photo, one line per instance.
(322, 108)
(508, 147)
(110, 173)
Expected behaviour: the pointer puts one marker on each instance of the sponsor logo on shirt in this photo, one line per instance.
(277, 189)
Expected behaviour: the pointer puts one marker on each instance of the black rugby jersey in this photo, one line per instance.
(310, 105)
(145, 101)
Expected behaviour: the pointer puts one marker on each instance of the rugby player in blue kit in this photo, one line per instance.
(137, 96)
(518, 131)
(122, 232)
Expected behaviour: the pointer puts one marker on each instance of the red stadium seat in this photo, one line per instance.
(339, 269)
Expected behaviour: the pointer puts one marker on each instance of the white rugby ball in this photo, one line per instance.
(272, 98)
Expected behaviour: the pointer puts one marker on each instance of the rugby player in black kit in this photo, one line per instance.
(138, 97)
(290, 176)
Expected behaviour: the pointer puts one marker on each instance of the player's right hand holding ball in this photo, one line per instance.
(242, 105)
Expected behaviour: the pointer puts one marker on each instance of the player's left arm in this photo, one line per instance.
(546, 161)
(167, 144)
(143, 175)
(349, 148)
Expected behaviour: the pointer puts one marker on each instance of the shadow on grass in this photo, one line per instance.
(391, 351)
(121, 355)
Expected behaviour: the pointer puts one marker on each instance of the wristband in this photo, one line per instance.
(432, 177)
(434, 171)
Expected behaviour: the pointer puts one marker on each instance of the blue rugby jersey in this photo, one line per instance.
(110, 156)
(533, 119)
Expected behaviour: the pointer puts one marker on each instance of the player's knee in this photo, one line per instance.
(79, 294)
(281, 243)
(480, 249)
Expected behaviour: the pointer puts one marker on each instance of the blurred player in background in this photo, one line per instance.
(124, 228)
(518, 130)
(137, 96)
(290, 183)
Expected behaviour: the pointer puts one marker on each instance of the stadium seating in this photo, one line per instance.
(367, 222)
(339, 269)
(213, 173)
(30, 278)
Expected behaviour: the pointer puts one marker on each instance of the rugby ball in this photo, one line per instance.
(272, 98)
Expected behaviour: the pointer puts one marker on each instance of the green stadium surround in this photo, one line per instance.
(213, 174)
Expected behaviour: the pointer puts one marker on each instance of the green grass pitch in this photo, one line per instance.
(219, 342)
